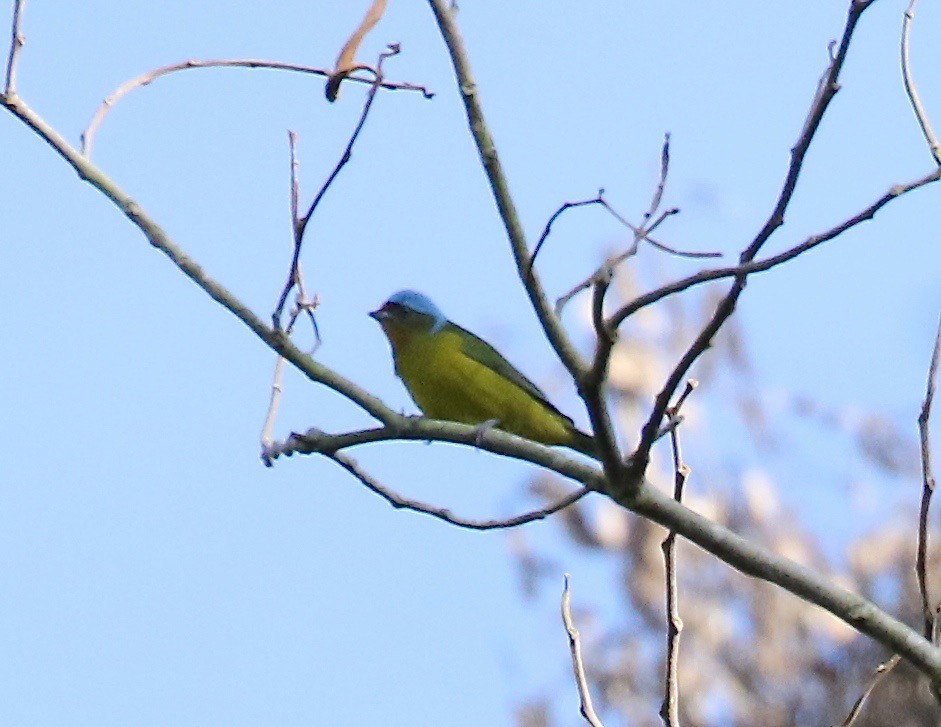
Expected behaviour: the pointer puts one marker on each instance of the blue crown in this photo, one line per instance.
(420, 303)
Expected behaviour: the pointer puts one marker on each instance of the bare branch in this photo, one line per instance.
(912, 91)
(928, 485)
(300, 223)
(670, 708)
(400, 502)
(754, 560)
(302, 304)
(877, 676)
(277, 340)
(664, 168)
(575, 646)
(641, 233)
(422, 429)
(149, 77)
(555, 215)
(16, 45)
(762, 265)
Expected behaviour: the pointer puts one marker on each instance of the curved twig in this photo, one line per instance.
(878, 675)
(759, 266)
(400, 502)
(670, 707)
(299, 226)
(928, 485)
(149, 77)
(16, 45)
(911, 91)
(578, 667)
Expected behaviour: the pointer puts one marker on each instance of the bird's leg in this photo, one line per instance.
(483, 428)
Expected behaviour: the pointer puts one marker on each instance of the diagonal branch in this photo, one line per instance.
(880, 673)
(89, 172)
(759, 266)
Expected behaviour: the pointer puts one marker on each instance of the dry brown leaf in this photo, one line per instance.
(346, 61)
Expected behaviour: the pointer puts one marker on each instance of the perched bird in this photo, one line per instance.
(452, 374)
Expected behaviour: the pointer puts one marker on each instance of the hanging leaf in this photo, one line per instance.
(346, 61)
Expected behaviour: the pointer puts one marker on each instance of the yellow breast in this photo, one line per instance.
(447, 384)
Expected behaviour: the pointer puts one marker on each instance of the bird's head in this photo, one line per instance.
(409, 313)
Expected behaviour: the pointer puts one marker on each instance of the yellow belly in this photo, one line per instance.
(447, 384)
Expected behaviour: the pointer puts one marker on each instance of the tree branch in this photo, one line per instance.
(423, 429)
(88, 136)
(670, 707)
(928, 485)
(760, 266)
(16, 45)
(878, 675)
(400, 502)
(586, 708)
(911, 91)
(299, 226)
(754, 560)
(627, 489)
(89, 172)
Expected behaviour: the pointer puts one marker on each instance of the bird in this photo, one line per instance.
(454, 375)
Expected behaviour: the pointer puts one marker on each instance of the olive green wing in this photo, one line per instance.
(483, 353)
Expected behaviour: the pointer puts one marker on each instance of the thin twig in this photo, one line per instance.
(877, 676)
(578, 667)
(759, 266)
(300, 224)
(592, 386)
(670, 708)
(597, 199)
(400, 502)
(641, 234)
(150, 76)
(661, 185)
(928, 485)
(301, 304)
(912, 91)
(16, 45)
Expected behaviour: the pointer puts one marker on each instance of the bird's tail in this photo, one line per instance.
(584, 443)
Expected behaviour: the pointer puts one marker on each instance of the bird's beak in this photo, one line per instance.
(379, 315)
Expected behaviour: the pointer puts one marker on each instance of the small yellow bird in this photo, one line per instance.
(452, 374)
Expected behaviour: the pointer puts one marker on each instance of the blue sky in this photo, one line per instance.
(154, 571)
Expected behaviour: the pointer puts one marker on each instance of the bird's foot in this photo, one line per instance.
(483, 428)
